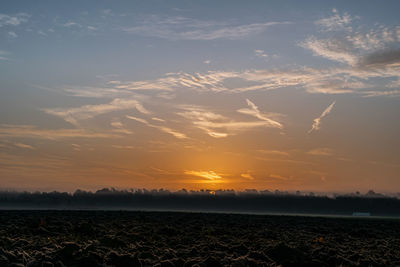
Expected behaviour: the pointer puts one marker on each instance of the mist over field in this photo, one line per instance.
(249, 201)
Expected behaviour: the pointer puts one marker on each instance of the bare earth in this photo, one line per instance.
(123, 238)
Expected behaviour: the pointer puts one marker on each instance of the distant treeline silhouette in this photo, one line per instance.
(206, 200)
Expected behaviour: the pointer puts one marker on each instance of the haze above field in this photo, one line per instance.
(288, 95)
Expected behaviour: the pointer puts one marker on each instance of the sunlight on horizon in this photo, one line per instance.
(210, 175)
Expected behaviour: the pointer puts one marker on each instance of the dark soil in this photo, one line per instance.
(122, 238)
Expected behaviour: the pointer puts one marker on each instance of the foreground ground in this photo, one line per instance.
(114, 238)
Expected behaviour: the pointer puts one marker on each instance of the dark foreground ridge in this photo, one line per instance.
(250, 201)
(123, 238)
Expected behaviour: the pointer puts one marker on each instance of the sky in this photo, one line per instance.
(286, 95)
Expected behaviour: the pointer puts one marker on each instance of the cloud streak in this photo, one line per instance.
(209, 175)
(164, 129)
(182, 28)
(30, 131)
(322, 151)
(317, 122)
(119, 127)
(260, 53)
(25, 146)
(247, 176)
(219, 126)
(333, 49)
(336, 22)
(74, 115)
(254, 111)
(361, 73)
(13, 20)
(371, 50)
(3, 55)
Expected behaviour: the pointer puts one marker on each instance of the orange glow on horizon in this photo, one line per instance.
(210, 175)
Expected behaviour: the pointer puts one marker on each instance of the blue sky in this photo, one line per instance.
(265, 94)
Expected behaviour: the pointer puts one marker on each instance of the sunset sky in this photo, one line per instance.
(288, 95)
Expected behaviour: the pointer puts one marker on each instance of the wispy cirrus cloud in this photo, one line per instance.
(210, 175)
(278, 176)
(198, 115)
(376, 47)
(247, 176)
(317, 121)
(93, 91)
(9, 144)
(255, 112)
(25, 146)
(157, 119)
(333, 49)
(336, 22)
(74, 115)
(172, 132)
(30, 131)
(182, 28)
(331, 80)
(368, 56)
(228, 32)
(391, 93)
(211, 81)
(12, 34)
(365, 54)
(3, 55)
(231, 126)
(72, 24)
(379, 38)
(274, 152)
(124, 147)
(216, 81)
(164, 129)
(219, 126)
(13, 20)
(346, 51)
(321, 151)
(119, 127)
(260, 53)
